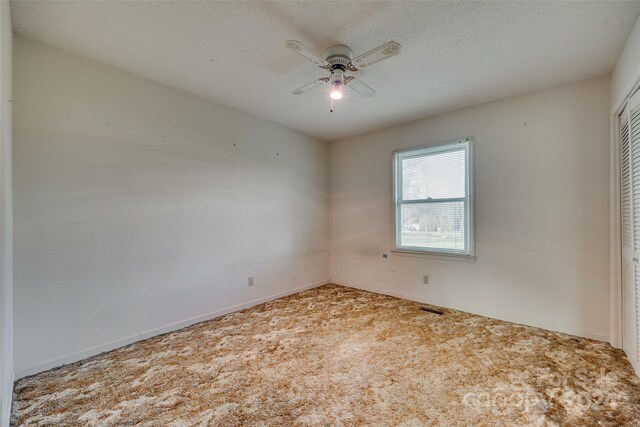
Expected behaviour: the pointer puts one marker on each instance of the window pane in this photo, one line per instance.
(436, 176)
(439, 226)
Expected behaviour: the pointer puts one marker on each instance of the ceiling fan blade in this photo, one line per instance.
(307, 87)
(301, 49)
(385, 51)
(360, 88)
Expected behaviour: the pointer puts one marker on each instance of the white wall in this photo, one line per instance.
(139, 207)
(6, 217)
(542, 211)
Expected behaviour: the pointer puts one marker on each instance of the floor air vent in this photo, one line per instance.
(432, 310)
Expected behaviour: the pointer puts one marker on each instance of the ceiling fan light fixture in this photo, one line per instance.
(336, 91)
(337, 82)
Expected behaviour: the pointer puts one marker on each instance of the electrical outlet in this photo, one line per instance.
(250, 281)
(425, 279)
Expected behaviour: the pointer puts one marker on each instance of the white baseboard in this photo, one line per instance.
(549, 327)
(74, 357)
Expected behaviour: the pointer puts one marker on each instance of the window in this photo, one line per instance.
(434, 199)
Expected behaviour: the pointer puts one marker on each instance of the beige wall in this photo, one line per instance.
(140, 208)
(541, 211)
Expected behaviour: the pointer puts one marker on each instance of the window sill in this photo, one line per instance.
(433, 255)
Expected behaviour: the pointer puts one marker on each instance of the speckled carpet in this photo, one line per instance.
(335, 356)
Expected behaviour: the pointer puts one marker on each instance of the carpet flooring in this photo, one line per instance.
(335, 356)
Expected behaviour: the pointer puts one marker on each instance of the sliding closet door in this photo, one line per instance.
(630, 224)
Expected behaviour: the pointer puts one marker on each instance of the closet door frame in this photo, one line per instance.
(615, 228)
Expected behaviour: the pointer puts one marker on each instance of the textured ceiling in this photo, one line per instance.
(454, 55)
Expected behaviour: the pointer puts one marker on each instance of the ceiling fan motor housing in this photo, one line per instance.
(338, 56)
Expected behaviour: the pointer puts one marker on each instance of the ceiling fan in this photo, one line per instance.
(338, 60)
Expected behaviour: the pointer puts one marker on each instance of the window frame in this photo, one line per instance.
(398, 155)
